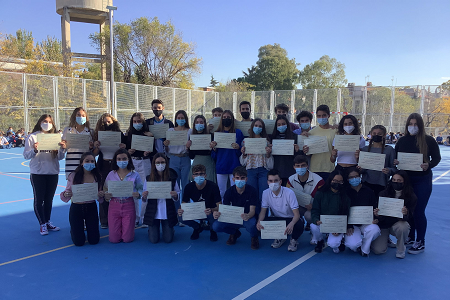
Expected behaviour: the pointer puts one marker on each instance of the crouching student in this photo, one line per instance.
(82, 213)
(399, 187)
(201, 190)
(161, 213)
(361, 195)
(122, 214)
(331, 199)
(242, 195)
(284, 206)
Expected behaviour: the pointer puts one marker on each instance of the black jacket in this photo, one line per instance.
(387, 222)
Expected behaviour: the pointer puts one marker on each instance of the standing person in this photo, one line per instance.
(105, 157)
(158, 109)
(320, 162)
(201, 157)
(245, 109)
(217, 113)
(377, 180)
(416, 141)
(283, 110)
(84, 213)
(399, 187)
(283, 163)
(79, 124)
(304, 119)
(161, 213)
(226, 159)
(122, 214)
(44, 172)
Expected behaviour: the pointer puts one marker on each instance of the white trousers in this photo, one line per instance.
(362, 237)
(333, 241)
(142, 167)
(222, 180)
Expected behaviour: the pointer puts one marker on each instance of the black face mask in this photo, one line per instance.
(245, 115)
(226, 122)
(157, 112)
(108, 127)
(377, 138)
(337, 186)
(398, 186)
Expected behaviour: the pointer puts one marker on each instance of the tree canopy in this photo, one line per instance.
(324, 73)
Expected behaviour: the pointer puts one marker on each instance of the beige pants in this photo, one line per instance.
(400, 230)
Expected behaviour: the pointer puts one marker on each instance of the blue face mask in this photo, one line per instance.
(305, 126)
(257, 130)
(199, 180)
(239, 183)
(282, 129)
(80, 120)
(138, 126)
(322, 121)
(181, 122)
(199, 127)
(301, 171)
(122, 164)
(354, 181)
(88, 166)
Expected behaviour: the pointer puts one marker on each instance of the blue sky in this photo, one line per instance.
(405, 39)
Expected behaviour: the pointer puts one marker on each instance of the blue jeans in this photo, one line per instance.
(249, 225)
(195, 225)
(423, 187)
(181, 165)
(257, 178)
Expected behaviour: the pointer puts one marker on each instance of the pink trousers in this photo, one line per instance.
(121, 217)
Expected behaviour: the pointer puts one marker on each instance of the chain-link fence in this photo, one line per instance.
(25, 97)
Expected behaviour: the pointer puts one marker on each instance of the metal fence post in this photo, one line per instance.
(363, 118)
(293, 112)
(174, 106)
(114, 101)
(136, 96)
(25, 103)
(253, 104)
(314, 106)
(216, 99)
(391, 115)
(234, 103)
(204, 104)
(56, 102)
(272, 104)
(155, 92)
(338, 104)
(83, 84)
(189, 106)
(422, 101)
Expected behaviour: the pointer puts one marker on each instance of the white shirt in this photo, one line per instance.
(178, 149)
(344, 157)
(43, 162)
(281, 205)
(161, 209)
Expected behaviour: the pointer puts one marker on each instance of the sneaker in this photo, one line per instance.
(277, 243)
(181, 224)
(255, 243)
(52, 227)
(196, 234)
(319, 247)
(400, 255)
(307, 227)
(233, 237)
(362, 253)
(136, 225)
(44, 230)
(144, 226)
(409, 242)
(417, 248)
(341, 247)
(213, 237)
(391, 244)
(103, 226)
(336, 250)
(292, 245)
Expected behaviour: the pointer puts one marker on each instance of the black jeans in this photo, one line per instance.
(298, 227)
(154, 231)
(104, 206)
(86, 212)
(44, 187)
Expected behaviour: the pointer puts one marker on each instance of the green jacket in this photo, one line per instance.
(327, 203)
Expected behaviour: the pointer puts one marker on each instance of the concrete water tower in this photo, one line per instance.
(84, 11)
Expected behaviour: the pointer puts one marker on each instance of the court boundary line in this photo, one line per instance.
(1, 173)
(22, 200)
(440, 176)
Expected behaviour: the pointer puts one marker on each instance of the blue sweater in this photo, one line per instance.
(228, 159)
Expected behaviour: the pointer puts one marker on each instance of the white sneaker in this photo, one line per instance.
(44, 230)
(277, 243)
(292, 245)
(52, 227)
(336, 250)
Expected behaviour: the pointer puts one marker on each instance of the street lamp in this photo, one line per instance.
(111, 49)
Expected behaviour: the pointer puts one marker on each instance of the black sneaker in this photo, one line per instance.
(342, 247)
(196, 234)
(417, 248)
(213, 236)
(319, 247)
(307, 227)
(391, 244)
(362, 253)
(409, 242)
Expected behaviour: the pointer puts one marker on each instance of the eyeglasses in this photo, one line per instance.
(198, 174)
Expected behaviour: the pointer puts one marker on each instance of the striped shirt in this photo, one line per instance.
(73, 155)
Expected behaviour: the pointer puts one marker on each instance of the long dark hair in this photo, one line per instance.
(221, 128)
(263, 133)
(78, 177)
(141, 117)
(73, 118)
(37, 127)
(343, 207)
(356, 131)
(186, 124)
(421, 142)
(194, 131)
(407, 191)
(115, 167)
(383, 129)
(289, 135)
(101, 125)
(154, 175)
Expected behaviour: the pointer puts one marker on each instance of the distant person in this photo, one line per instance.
(439, 139)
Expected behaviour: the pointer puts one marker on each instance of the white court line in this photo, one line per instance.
(11, 153)
(442, 175)
(8, 158)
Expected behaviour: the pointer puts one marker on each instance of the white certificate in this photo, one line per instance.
(301, 141)
(243, 126)
(391, 207)
(215, 122)
(347, 143)
(78, 141)
(200, 141)
(255, 145)
(409, 161)
(270, 125)
(282, 147)
(231, 214)
(159, 130)
(360, 215)
(273, 230)
(159, 189)
(224, 140)
(317, 144)
(121, 189)
(303, 199)
(142, 142)
(110, 138)
(333, 224)
(84, 192)
(371, 161)
(48, 141)
(177, 137)
(193, 211)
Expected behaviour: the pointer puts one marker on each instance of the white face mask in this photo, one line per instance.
(160, 167)
(349, 129)
(413, 130)
(46, 126)
(274, 186)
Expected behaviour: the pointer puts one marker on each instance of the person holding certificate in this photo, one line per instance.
(84, 213)
(257, 165)
(240, 195)
(161, 213)
(217, 114)
(283, 110)
(78, 124)
(226, 159)
(399, 187)
(361, 195)
(122, 214)
(44, 170)
(416, 141)
(284, 207)
(245, 109)
(105, 157)
(202, 190)
(331, 199)
(158, 109)
(304, 119)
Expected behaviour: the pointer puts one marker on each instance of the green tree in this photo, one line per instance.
(213, 82)
(324, 73)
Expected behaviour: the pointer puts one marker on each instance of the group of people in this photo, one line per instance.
(266, 186)
(12, 139)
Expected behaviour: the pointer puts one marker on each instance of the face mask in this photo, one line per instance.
(257, 130)
(138, 126)
(413, 130)
(377, 138)
(199, 127)
(337, 186)
(239, 183)
(88, 166)
(284, 115)
(199, 180)
(301, 171)
(226, 122)
(398, 186)
(245, 115)
(322, 121)
(282, 129)
(274, 186)
(157, 112)
(80, 120)
(349, 129)
(181, 122)
(354, 181)
(108, 126)
(122, 164)
(305, 126)
(160, 167)
(46, 126)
